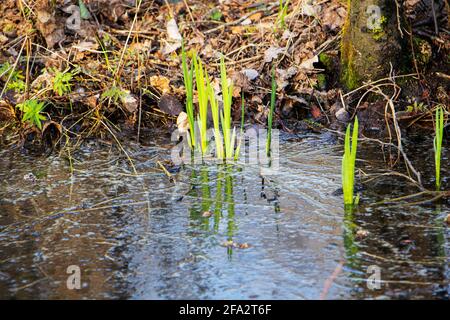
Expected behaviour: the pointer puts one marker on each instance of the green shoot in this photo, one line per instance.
(438, 144)
(216, 15)
(16, 79)
(84, 12)
(31, 110)
(348, 165)
(114, 93)
(188, 84)
(61, 82)
(202, 93)
(241, 134)
(272, 108)
(227, 95)
(216, 120)
(282, 13)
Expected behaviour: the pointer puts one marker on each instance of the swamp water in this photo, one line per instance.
(283, 236)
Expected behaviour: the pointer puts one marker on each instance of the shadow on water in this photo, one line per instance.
(215, 230)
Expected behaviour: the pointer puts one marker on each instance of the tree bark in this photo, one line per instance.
(370, 41)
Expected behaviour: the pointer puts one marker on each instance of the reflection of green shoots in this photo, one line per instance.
(188, 84)
(202, 93)
(272, 108)
(216, 120)
(438, 144)
(32, 112)
(227, 93)
(282, 13)
(348, 164)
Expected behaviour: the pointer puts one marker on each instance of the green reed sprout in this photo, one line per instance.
(241, 134)
(348, 165)
(439, 128)
(188, 84)
(227, 95)
(216, 119)
(282, 13)
(272, 108)
(202, 93)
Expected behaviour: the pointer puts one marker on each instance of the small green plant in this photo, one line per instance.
(270, 116)
(216, 15)
(16, 79)
(61, 82)
(348, 165)
(439, 129)
(202, 95)
(282, 13)
(188, 84)
(31, 110)
(227, 95)
(114, 93)
(417, 107)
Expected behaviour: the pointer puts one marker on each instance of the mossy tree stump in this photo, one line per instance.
(370, 41)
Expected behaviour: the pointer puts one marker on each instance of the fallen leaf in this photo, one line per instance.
(183, 122)
(160, 83)
(272, 53)
(251, 74)
(207, 214)
(315, 112)
(174, 37)
(130, 102)
(170, 105)
(309, 63)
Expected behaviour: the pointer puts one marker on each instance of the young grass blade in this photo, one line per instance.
(439, 128)
(216, 119)
(202, 93)
(188, 84)
(272, 108)
(241, 134)
(227, 91)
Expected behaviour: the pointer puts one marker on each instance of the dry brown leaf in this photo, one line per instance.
(161, 83)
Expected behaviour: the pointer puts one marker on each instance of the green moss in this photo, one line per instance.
(378, 33)
(321, 81)
(326, 60)
(348, 75)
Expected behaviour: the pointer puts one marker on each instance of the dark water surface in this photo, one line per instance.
(280, 236)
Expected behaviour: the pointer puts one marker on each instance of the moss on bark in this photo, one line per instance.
(367, 51)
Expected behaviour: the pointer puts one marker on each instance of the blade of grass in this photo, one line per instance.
(216, 119)
(202, 116)
(188, 84)
(272, 108)
(227, 91)
(439, 129)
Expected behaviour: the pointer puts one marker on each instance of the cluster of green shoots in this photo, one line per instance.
(61, 82)
(439, 129)
(348, 165)
(14, 78)
(224, 136)
(282, 13)
(32, 112)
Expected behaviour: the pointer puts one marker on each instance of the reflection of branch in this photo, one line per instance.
(330, 280)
